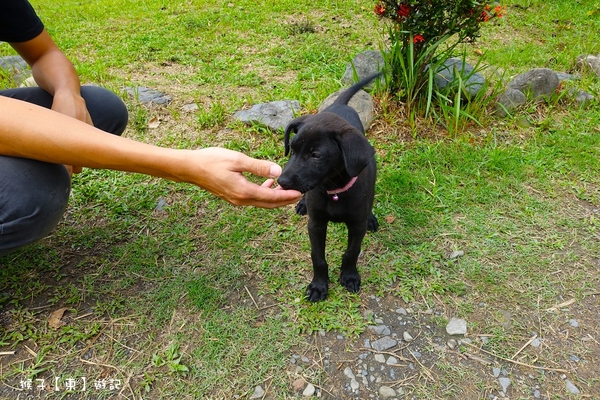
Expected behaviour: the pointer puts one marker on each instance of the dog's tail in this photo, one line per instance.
(347, 94)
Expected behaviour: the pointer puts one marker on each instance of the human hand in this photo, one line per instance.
(220, 171)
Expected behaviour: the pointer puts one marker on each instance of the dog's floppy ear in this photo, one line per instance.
(356, 149)
(293, 126)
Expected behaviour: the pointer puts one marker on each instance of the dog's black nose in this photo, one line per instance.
(284, 182)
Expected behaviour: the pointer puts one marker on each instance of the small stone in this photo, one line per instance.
(456, 254)
(456, 326)
(348, 372)
(380, 330)
(562, 76)
(354, 384)
(407, 336)
(574, 358)
(380, 358)
(378, 321)
(537, 394)
(190, 107)
(505, 383)
(391, 361)
(305, 359)
(309, 390)
(574, 323)
(523, 122)
(496, 372)
(452, 344)
(536, 342)
(401, 310)
(583, 98)
(572, 388)
(259, 392)
(322, 333)
(509, 101)
(160, 204)
(386, 392)
(367, 344)
(384, 343)
(298, 385)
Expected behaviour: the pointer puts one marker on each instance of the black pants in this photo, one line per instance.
(34, 194)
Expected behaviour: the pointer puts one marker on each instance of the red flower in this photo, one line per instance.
(404, 10)
(379, 9)
(485, 17)
(499, 11)
(418, 39)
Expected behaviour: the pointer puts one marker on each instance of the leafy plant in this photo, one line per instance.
(171, 358)
(422, 35)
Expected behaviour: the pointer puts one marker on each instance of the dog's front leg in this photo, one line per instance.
(317, 289)
(349, 276)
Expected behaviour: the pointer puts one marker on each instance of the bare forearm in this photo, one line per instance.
(30, 131)
(54, 73)
(51, 69)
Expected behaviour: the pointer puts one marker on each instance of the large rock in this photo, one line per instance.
(13, 63)
(361, 102)
(274, 115)
(364, 64)
(453, 68)
(537, 84)
(588, 62)
(16, 68)
(148, 96)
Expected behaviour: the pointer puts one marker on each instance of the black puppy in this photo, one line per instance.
(333, 164)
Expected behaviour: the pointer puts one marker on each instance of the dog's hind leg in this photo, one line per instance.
(318, 288)
(349, 276)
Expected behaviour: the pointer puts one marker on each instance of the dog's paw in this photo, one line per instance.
(301, 207)
(351, 281)
(372, 223)
(317, 291)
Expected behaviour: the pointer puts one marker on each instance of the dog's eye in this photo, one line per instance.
(315, 155)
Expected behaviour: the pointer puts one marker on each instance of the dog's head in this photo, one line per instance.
(323, 147)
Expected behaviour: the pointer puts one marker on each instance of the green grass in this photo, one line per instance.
(206, 300)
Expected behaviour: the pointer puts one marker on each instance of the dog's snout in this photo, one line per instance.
(284, 181)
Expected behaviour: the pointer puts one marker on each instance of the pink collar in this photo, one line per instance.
(340, 190)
